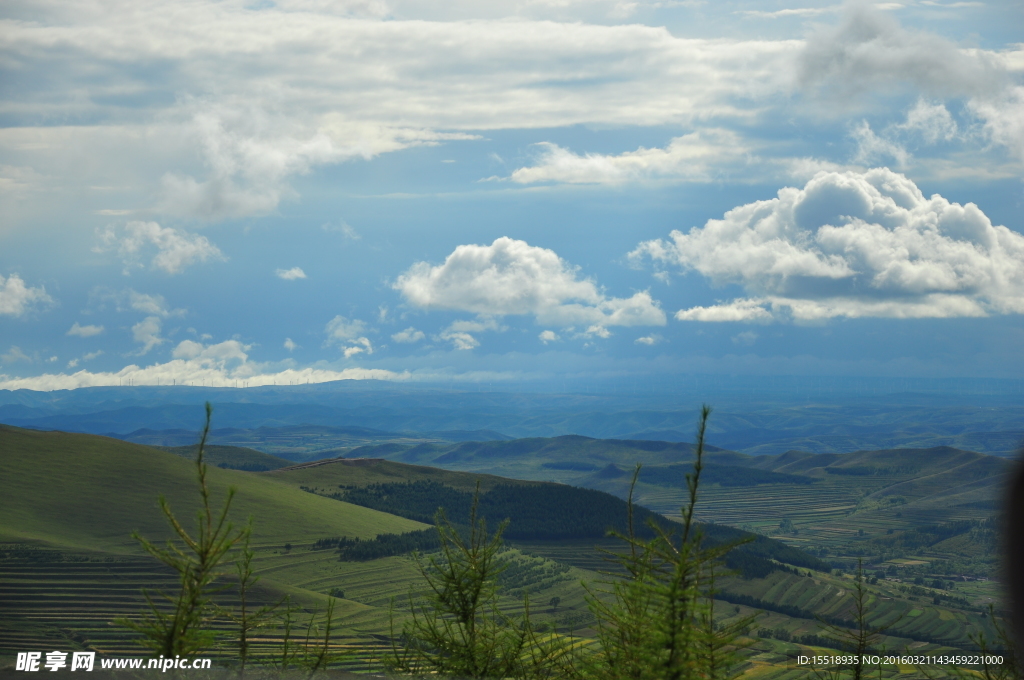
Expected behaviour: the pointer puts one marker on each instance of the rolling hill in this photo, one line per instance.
(68, 564)
(840, 507)
(231, 457)
(561, 459)
(538, 511)
(90, 493)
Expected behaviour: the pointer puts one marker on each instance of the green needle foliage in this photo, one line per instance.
(245, 617)
(859, 641)
(655, 615)
(317, 654)
(308, 656)
(180, 627)
(719, 643)
(658, 623)
(1002, 645)
(457, 629)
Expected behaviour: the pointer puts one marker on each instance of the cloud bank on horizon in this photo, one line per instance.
(394, 189)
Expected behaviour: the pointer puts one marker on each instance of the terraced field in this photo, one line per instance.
(760, 507)
(828, 513)
(828, 596)
(850, 500)
(72, 501)
(830, 500)
(70, 566)
(65, 601)
(73, 602)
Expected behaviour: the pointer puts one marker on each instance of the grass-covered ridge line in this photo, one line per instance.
(538, 511)
(549, 512)
(88, 492)
(231, 457)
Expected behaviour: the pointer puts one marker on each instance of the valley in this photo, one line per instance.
(918, 520)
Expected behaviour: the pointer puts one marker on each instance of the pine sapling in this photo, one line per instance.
(182, 628)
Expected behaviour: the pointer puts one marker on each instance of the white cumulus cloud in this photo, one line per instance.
(290, 345)
(147, 333)
(511, 277)
(851, 244)
(151, 304)
(251, 153)
(87, 357)
(927, 123)
(130, 299)
(872, 149)
(16, 298)
(15, 354)
(248, 160)
(745, 338)
(932, 121)
(291, 274)
(549, 336)
(341, 329)
(870, 52)
(459, 333)
(349, 335)
(1004, 118)
(649, 340)
(344, 228)
(358, 346)
(459, 339)
(84, 331)
(175, 249)
(408, 336)
(698, 157)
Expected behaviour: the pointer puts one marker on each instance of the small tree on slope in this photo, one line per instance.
(197, 560)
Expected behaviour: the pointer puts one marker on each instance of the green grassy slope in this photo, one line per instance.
(90, 492)
(68, 565)
(80, 496)
(231, 457)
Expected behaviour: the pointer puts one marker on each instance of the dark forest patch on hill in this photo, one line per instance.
(556, 512)
(537, 511)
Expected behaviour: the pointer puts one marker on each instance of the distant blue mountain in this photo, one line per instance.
(757, 417)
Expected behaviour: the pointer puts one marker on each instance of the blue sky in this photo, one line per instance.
(254, 193)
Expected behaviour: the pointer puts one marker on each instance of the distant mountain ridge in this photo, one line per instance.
(826, 493)
(293, 442)
(760, 419)
(295, 501)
